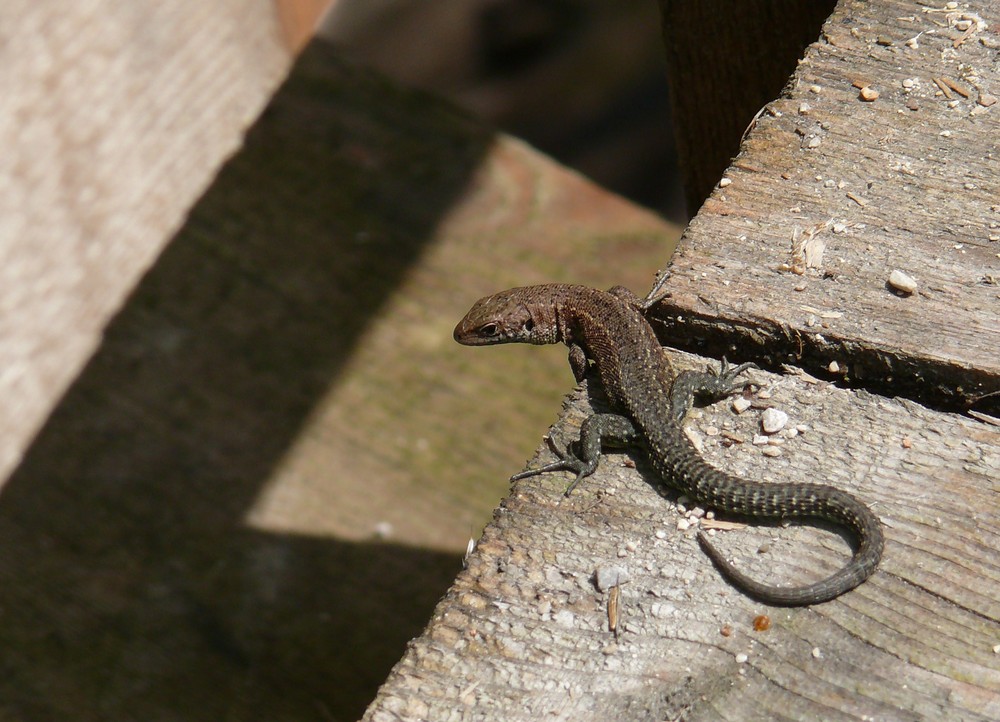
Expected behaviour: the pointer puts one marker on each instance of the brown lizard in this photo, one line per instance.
(609, 330)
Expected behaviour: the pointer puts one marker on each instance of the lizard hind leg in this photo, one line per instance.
(596, 430)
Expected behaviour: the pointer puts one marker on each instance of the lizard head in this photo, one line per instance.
(505, 317)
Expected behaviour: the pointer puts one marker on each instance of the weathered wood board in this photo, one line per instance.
(791, 256)
(788, 261)
(115, 119)
(523, 633)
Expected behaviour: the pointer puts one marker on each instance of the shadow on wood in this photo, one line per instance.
(131, 584)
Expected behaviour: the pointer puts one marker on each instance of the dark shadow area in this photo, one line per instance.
(130, 585)
(584, 81)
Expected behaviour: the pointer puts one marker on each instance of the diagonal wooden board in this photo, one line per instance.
(523, 633)
(879, 186)
(791, 256)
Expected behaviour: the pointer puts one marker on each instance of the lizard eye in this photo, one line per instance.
(528, 325)
(488, 330)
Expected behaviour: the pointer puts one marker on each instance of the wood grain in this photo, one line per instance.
(523, 632)
(878, 186)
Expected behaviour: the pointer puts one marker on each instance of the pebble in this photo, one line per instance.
(741, 404)
(741, 658)
(773, 420)
(565, 618)
(610, 576)
(902, 282)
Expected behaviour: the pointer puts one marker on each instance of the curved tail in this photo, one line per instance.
(804, 501)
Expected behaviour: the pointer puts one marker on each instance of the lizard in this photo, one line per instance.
(608, 330)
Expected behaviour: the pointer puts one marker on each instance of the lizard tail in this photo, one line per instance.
(809, 500)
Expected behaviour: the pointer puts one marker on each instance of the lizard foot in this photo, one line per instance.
(721, 382)
(567, 461)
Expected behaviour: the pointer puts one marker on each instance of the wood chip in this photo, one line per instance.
(954, 86)
(721, 524)
(944, 88)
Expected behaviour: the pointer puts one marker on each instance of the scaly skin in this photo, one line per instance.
(608, 330)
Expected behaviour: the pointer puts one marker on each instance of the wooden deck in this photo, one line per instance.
(882, 155)
(197, 418)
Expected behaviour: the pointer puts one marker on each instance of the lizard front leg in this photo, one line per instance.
(596, 430)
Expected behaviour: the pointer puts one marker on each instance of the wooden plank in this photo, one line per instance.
(115, 120)
(789, 260)
(523, 633)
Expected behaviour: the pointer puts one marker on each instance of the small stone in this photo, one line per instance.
(773, 420)
(759, 440)
(565, 618)
(771, 451)
(610, 576)
(683, 524)
(868, 94)
(814, 142)
(833, 367)
(725, 182)
(660, 534)
(902, 282)
(908, 83)
(741, 658)
(815, 89)
(741, 404)
(986, 100)
(817, 653)
(804, 108)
